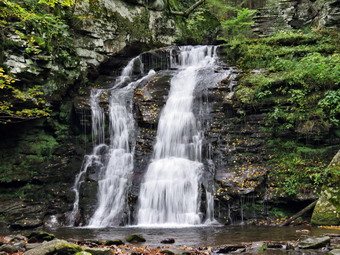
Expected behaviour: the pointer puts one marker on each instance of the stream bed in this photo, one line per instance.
(191, 236)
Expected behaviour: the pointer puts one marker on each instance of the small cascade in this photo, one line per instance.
(98, 117)
(95, 159)
(170, 193)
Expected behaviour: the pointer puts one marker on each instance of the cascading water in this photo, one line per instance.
(113, 162)
(95, 159)
(170, 193)
(115, 177)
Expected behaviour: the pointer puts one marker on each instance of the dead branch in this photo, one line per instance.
(300, 213)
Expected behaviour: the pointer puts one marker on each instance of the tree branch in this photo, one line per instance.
(187, 12)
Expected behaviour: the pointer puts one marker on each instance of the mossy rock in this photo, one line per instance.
(113, 242)
(67, 249)
(135, 238)
(39, 237)
(47, 247)
(83, 253)
(99, 251)
(327, 209)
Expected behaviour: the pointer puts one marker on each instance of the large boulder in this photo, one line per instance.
(327, 209)
(60, 247)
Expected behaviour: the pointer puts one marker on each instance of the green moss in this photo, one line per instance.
(40, 144)
(135, 238)
(298, 81)
(67, 249)
(327, 210)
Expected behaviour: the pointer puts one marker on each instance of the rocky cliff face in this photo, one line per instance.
(36, 181)
(296, 14)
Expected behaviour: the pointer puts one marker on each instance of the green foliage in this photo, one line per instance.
(53, 3)
(32, 97)
(238, 27)
(330, 105)
(235, 21)
(298, 169)
(40, 30)
(278, 213)
(226, 18)
(299, 79)
(200, 27)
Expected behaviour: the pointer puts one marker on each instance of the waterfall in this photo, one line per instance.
(113, 162)
(115, 177)
(170, 192)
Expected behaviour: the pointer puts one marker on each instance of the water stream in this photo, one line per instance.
(173, 186)
(114, 161)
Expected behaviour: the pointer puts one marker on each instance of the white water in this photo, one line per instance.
(113, 162)
(95, 159)
(170, 192)
(115, 177)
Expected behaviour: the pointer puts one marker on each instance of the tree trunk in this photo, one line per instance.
(300, 213)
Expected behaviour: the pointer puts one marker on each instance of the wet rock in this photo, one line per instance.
(14, 238)
(167, 252)
(229, 248)
(168, 241)
(30, 246)
(113, 242)
(46, 248)
(67, 249)
(135, 238)
(99, 251)
(83, 253)
(334, 252)
(257, 247)
(314, 243)
(9, 248)
(39, 237)
(94, 242)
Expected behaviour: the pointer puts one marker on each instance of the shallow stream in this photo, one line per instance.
(192, 236)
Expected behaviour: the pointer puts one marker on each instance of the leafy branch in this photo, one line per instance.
(188, 11)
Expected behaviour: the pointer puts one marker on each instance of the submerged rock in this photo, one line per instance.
(167, 252)
(113, 242)
(135, 238)
(168, 241)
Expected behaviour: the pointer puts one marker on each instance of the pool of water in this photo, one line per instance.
(192, 236)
